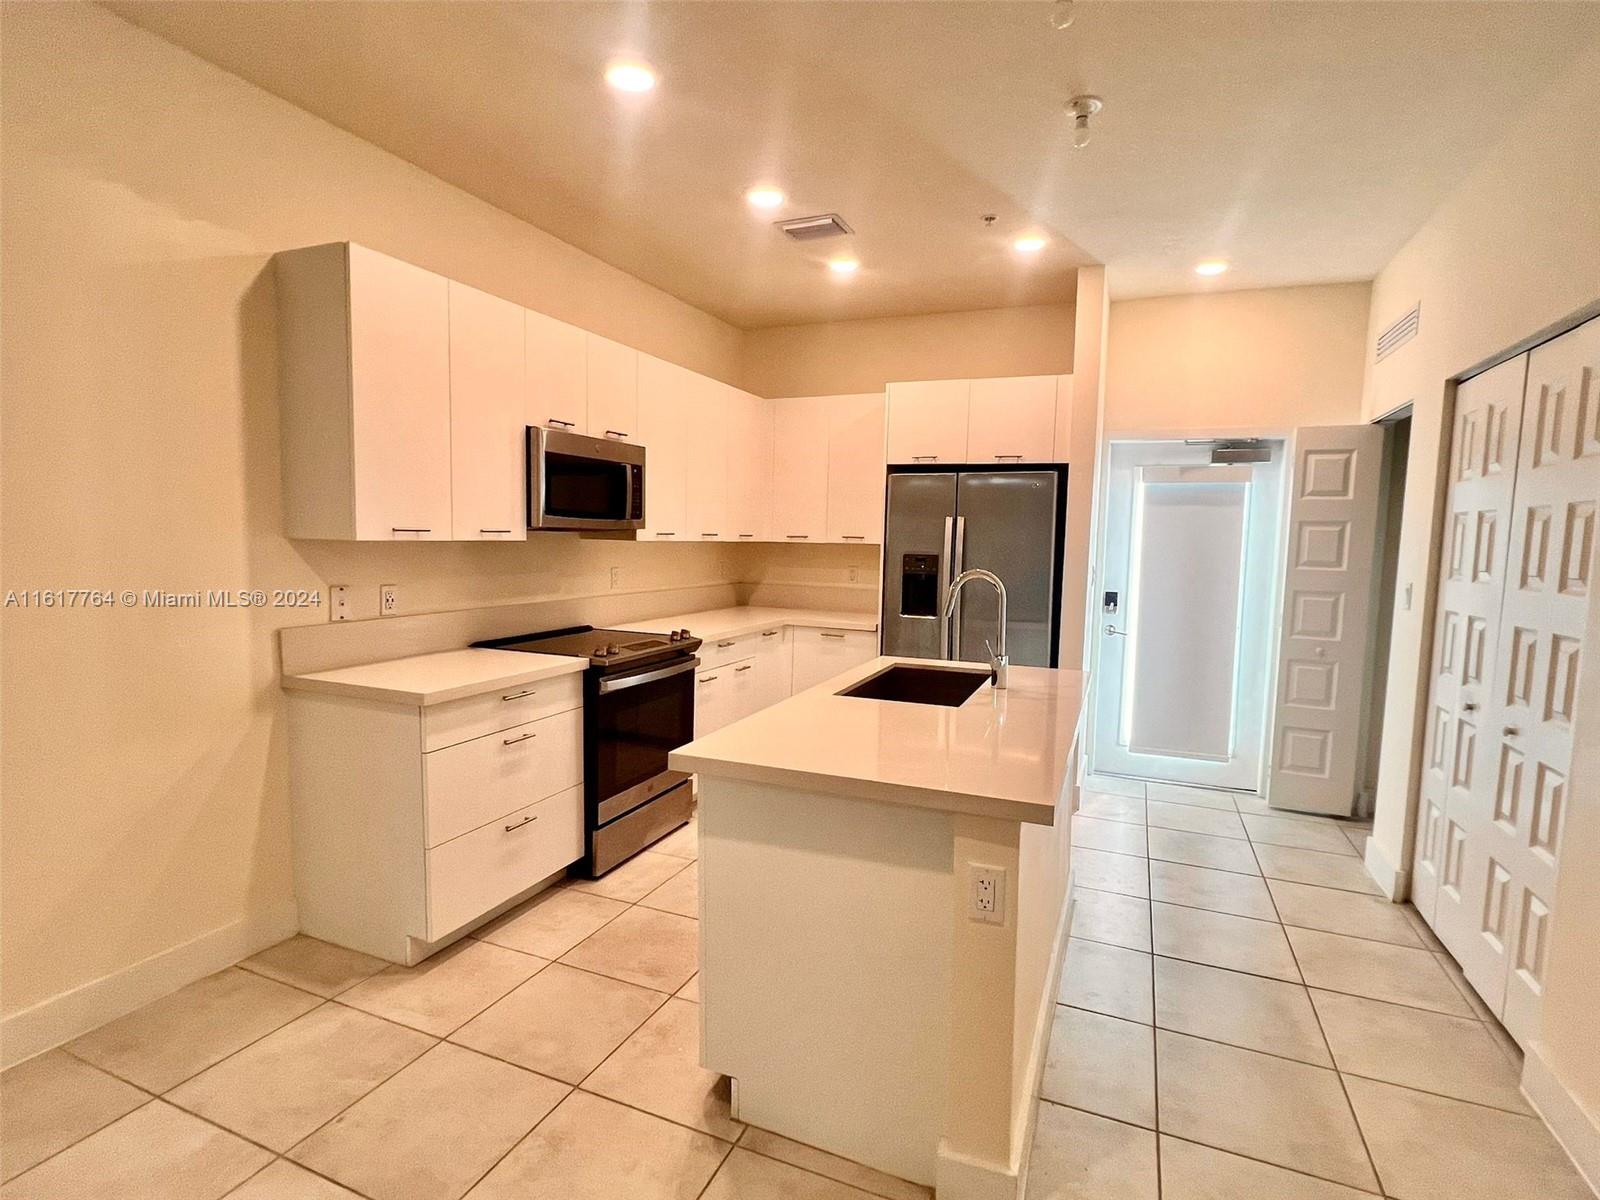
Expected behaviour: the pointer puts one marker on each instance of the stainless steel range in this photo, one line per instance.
(638, 706)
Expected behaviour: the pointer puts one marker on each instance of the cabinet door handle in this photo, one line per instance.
(738, 670)
(707, 678)
(515, 740)
(724, 645)
(616, 433)
(494, 531)
(557, 421)
(839, 636)
(771, 633)
(924, 458)
(1008, 457)
(519, 824)
(855, 537)
(1470, 706)
(1511, 731)
(407, 529)
(747, 535)
(712, 535)
(665, 533)
(797, 536)
(522, 695)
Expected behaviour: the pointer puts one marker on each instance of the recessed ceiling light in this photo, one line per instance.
(1213, 266)
(630, 75)
(1030, 243)
(843, 266)
(764, 197)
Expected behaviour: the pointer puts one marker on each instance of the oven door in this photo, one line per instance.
(577, 482)
(636, 719)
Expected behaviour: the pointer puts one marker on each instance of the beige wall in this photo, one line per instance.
(840, 357)
(144, 755)
(1264, 359)
(1513, 250)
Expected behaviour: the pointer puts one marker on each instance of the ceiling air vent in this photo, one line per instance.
(811, 229)
(1398, 334)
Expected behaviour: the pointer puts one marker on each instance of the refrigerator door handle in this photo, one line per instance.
(951, 633)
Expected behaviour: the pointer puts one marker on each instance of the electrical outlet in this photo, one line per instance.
(339, 602)
(988, 898)
(388, 599)
(616, 576)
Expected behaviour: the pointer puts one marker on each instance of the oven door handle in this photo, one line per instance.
(607, 686)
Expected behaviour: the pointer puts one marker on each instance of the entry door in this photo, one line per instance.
(1188, 580)
(1542, 630)
(1318, 716)
(1457, 762)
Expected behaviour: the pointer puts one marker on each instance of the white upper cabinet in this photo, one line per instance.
(749, 467)
(1012, 420)
(663, 428)
(613, 390)
(1063, 436)
(928, 421)
(364, 344)
(486, 416)
(855, 468)
(557, 373)
(708, 459)
(800, 435)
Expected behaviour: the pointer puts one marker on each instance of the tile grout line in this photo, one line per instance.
(1155, 1013)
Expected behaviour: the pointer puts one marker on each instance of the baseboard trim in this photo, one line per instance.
(1395, 883)
(47, 1024)
(1576, 1128)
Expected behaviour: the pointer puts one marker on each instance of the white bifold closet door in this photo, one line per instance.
(1319, 705)
(1513, 608)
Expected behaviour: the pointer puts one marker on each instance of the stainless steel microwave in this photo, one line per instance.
(577, 482)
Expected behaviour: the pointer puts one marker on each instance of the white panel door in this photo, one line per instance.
(1528, 719)
(1334, 479)
(613, 389)
(1012, 420)
(1472, 570)
(749, 467)
(664, 415)
(557, 372)
(707, 519)
(400, 398)
(928, 421)
(856, 474)
(486, 417)
(800, 474)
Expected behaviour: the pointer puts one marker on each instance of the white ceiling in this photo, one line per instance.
(1303, 142)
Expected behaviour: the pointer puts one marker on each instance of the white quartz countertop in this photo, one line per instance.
(732, 622)
(426, 679)
(1001, 754)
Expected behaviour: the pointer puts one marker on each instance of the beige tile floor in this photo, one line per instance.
(553, 1054)
(1242, 1018)
(1230, 1026)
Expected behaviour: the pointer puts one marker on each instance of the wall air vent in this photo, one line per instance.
(811, 229)
(1398, 334)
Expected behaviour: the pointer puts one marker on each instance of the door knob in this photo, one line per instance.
(1113, 631)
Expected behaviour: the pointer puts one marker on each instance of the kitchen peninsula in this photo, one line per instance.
(883, 901)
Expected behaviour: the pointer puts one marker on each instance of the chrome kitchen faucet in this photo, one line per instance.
(997, 658)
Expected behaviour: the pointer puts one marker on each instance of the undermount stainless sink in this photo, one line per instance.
(947, 686)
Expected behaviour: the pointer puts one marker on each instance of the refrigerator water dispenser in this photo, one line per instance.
(919, 585)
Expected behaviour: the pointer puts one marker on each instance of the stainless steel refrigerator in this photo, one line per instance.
(942, 522)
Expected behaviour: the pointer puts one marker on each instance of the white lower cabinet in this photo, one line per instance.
(822, 653)
(411, 823)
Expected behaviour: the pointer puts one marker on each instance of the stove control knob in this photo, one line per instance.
(684, 634)
(675, 636)
(611, 649)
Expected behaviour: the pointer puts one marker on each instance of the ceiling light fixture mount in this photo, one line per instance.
(630, 75)
(1061, 14)
(1082, 108)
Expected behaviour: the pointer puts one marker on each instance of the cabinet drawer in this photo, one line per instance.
(462, 720)
(469, 875)
(473, 782)
(823, 653)
(717, 652)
